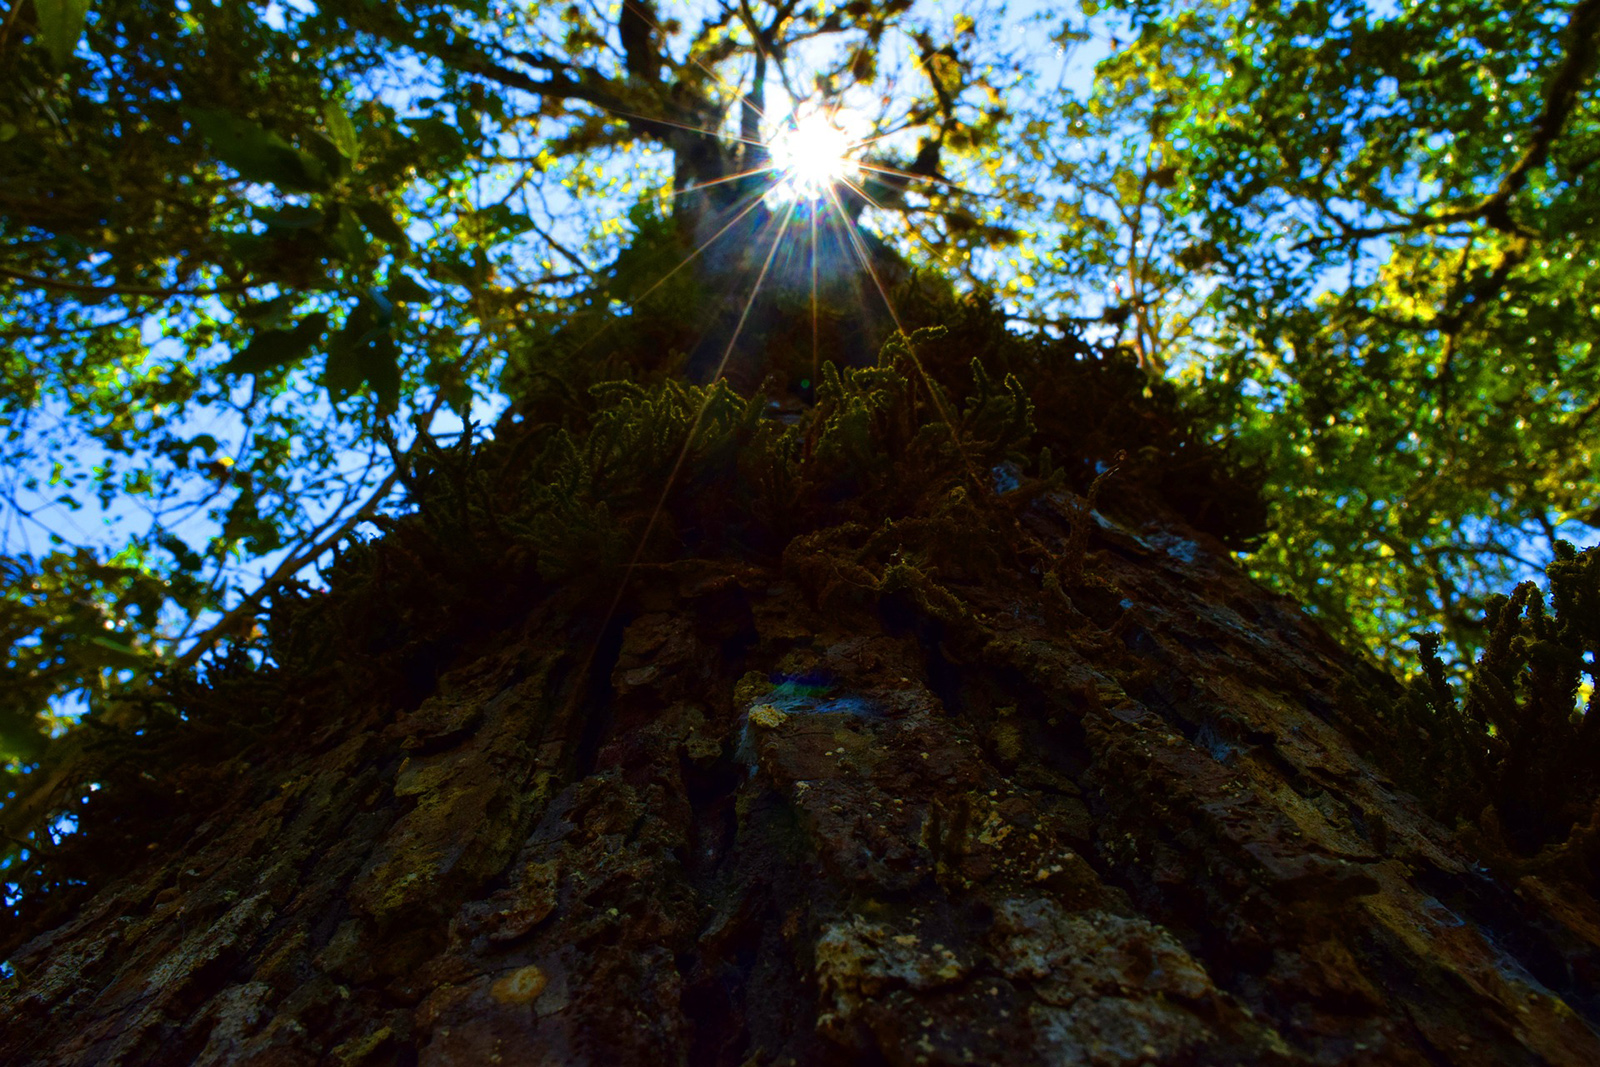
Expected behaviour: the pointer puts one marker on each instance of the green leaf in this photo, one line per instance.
(329, 154)
(258, 154)
(343, 372)
(292, 217)
(504, 220)
(365, 351)
(121, 655)
(273, 348)
(438, 140)
(270, 312)
(379, 362)
(380, 223)
(405, 290)
(346, 237)
(341, 130)
(61, 24)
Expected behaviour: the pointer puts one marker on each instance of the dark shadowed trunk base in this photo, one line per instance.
(1129, 831)
(885, 794)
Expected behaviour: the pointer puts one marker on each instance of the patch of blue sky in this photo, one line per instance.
(41, 512)
(278, 12)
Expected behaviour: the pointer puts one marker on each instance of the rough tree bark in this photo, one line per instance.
(801, 803)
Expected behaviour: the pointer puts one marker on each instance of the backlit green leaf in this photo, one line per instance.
(61, 24)
(341, 130)
(258, 154)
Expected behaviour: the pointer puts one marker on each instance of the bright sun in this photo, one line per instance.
(811, 152)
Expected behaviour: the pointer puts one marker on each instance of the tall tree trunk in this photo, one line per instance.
(880, 792)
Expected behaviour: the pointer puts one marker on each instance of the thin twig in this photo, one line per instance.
(230, 621)
(23, 811)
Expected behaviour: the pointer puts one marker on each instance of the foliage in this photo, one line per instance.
(1362, 234)
(1515, 750)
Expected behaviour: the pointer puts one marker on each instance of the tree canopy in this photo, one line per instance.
(253, 255)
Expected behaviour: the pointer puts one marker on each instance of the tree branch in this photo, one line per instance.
(24, 810)
(1561, 95)
(116, 290)
(230, 621)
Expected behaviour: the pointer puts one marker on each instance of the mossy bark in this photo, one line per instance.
(892, 792)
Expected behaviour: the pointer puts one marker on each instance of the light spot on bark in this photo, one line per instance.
(521, 986)
(767, 716)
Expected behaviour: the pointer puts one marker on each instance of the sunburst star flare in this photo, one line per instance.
(812, 151)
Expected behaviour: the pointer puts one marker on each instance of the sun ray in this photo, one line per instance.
(927, 380)
(751, 173)
(720, 80)
(909, 175)
(622, 114)
(694, 426)
(754, 202)
(859, 247)
(683, 453)
(811, 150)
(812, 218)
(861, 191)
(754, 290)
(700, 413)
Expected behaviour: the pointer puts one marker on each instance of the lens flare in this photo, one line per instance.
(811, 152)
